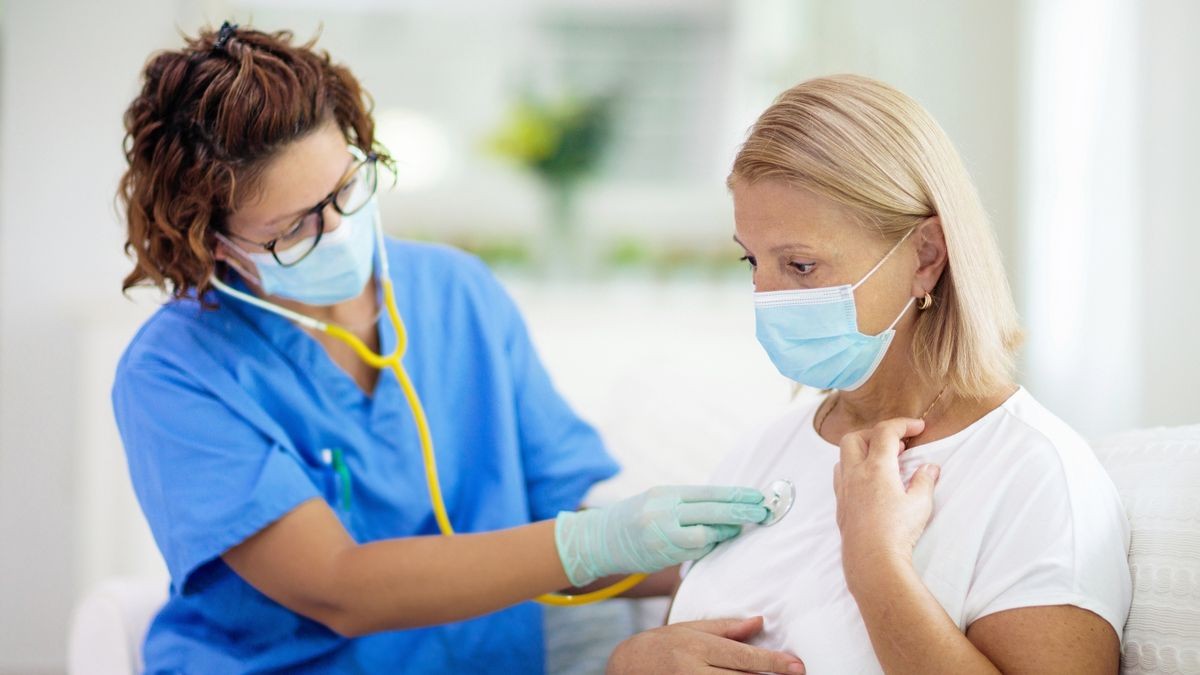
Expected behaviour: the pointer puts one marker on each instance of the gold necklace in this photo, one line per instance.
(836, 399)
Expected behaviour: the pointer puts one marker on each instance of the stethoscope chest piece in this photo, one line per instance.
(780, 495)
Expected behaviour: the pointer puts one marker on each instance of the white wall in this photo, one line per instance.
(1109, 150)
(69, 69)
(1168, 225)
(1080, 211)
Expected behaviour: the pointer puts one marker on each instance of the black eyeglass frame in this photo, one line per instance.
(372, 160)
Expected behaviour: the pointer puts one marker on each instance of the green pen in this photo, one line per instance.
(334, 458)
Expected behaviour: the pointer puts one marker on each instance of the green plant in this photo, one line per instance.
(560, 141)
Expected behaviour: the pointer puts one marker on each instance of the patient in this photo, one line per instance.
(945, 522)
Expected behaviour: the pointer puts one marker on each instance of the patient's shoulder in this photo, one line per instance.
(1035, 463)
(1037, 439)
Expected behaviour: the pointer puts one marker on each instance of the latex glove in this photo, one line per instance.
(661, 527)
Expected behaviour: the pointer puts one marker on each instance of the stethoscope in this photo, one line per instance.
(780, 495)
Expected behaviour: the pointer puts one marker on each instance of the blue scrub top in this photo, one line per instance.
(229, 417)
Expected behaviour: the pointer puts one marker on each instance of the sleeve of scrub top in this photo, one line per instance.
(561, 454)
(1057, 539)
(207, 478)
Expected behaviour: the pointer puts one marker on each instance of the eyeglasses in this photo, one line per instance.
(349, 196)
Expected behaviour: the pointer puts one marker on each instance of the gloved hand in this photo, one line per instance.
(661, 527)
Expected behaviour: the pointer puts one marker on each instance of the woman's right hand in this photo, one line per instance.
(712, 646)
(661, 527)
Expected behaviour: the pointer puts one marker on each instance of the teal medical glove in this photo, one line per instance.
(661, 527)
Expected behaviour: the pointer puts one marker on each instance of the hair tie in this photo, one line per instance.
(227, 30)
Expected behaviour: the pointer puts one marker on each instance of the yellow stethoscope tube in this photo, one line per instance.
(393, 361)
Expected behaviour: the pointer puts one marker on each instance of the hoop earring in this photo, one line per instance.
(925, 302)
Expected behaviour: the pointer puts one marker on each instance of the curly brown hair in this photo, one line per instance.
(208, 119)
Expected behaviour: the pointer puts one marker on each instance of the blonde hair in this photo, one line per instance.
(877, 152)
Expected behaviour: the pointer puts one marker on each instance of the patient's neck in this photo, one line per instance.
(895, 390)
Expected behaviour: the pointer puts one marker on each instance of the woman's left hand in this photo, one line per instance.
(880, 518)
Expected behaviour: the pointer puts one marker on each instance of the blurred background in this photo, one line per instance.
(580, 147)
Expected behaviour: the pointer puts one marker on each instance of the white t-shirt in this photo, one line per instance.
(1023, 515)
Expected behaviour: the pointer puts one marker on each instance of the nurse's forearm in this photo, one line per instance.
(422, 581)
(450, 579)
(307, 562)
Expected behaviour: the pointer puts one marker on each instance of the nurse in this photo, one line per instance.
(280, 475)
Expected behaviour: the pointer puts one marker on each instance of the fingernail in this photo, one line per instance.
(935, 470)
(796, 668)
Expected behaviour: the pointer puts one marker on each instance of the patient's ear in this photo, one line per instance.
(931, 256)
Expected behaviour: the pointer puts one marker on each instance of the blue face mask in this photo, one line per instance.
(812, 334)
(335, 271)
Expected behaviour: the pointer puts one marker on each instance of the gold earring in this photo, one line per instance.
(925, 302)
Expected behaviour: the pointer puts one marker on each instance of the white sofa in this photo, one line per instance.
(1158, 475)
(1156, 471)
(109, 624)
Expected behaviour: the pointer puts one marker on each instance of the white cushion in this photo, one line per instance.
(1157, 472)
(109, 625)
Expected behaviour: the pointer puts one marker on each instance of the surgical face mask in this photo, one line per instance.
(335, 271)
(812, 334)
